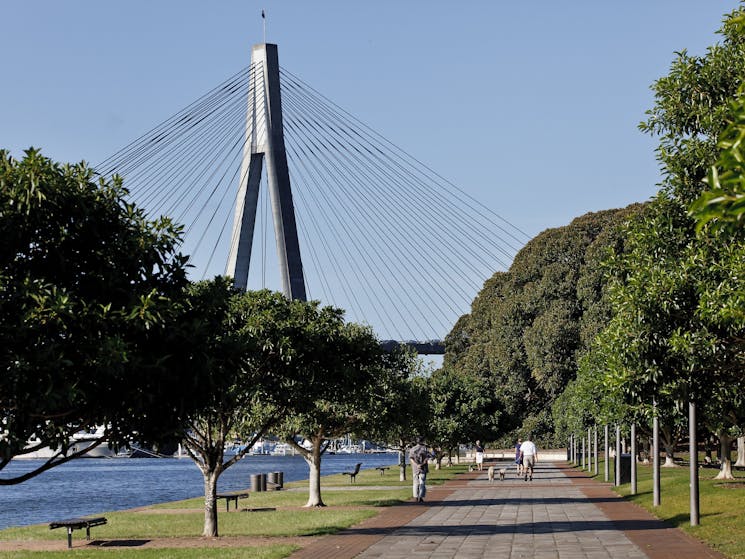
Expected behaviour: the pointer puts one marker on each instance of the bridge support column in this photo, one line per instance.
(265, 139)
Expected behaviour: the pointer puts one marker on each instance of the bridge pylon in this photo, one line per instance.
(264, 139)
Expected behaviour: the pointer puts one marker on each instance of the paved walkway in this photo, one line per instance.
(561, 514)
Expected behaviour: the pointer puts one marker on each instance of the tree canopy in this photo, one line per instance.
(676, 293)
(529, 326)
(88, 288)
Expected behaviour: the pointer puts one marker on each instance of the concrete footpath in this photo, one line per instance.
(561, 514)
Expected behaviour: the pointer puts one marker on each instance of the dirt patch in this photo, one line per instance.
(731, 485)
(160, 543)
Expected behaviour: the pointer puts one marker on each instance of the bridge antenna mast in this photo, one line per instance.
(265, 139)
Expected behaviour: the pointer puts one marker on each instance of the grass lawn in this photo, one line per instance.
(283, 515)
(722, 504)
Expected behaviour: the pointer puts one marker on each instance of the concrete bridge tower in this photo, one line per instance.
(265, 140)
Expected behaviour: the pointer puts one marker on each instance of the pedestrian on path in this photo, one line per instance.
(419, 458)
(529, 456)
(479, 456)
(518, 458)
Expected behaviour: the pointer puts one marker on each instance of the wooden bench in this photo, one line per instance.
(232, 496)
(353, 475)
(383, 469)
(77, 524)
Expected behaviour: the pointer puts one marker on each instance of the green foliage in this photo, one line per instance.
(529, 326)
(403, 410)
(462, 409)
(89, 288)
(347, 379)
(677, 329)
(723, 205)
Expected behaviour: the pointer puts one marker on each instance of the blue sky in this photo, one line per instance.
(531, 107)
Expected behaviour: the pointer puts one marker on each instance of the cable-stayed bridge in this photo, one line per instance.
(358, 222)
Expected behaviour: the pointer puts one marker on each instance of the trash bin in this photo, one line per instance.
(625, 469)
(258, 482)
(274, 480)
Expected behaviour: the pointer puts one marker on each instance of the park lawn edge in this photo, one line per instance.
(722, 514)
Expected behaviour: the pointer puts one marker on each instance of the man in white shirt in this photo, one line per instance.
(529, 455)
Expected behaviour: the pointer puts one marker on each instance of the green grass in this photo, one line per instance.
(268, 552)
(283, 516)
(145, 525)
(721, 504)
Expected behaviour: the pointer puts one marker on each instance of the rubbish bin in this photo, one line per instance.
(625, 469)
(258, 482)
(275, 480)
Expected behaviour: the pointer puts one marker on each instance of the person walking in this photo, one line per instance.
(529, 456)
(518, 458)
(419, 458)
(479, 456)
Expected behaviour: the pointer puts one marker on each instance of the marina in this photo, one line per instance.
(87, 486)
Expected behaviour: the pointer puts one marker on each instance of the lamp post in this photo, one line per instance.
(656, 457)
(633, 458)
(617, 476)
(606, 454)
(693, 452)
(596, 449)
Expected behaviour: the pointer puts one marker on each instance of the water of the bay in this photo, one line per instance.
(97, 485)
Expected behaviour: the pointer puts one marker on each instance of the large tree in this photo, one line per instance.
(529, 326)
(87, 292)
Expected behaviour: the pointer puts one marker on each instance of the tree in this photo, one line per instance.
(88, 288)
(346, 373)
(463, 410)
(258, 354)
(529, 326)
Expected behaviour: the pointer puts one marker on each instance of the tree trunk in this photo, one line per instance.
(669, 454)
(724, 445)
(313, 458)
(740, 452)
(210, 504)
(402, 462)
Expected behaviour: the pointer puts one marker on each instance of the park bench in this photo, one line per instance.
(232, 496)
(383, 469)
(353, 474)
(77, 524)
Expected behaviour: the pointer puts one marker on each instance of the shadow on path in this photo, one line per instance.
(524, 528)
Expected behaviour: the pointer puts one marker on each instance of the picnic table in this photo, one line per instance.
(232, 496)
(383, 469)
(78, 524)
